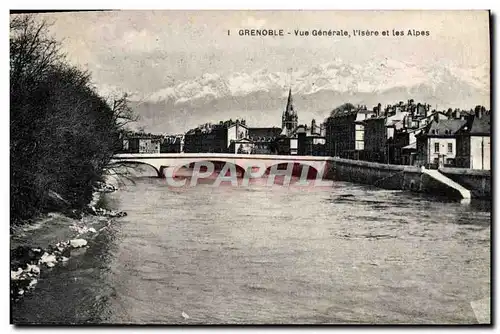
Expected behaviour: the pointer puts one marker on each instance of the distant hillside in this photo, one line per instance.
(261, 96)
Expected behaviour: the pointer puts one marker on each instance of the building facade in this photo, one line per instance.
(265, 140)
(437, 145)
(344, 135)
(312, 140)
(474, 142)
(172, 144)
(225, 137)
(141, 143)
(375, 139)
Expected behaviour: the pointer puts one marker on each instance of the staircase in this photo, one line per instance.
(436, 175)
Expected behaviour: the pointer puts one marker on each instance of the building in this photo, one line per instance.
(241, 146)
(289, 118)
(172, 144)
(375, 136)
(315, 140)
(237, 138)
(401, 142)
(473, 142)
(436, 144)
(283, 145)
(225, 137)
(309, 140)
(404, 143)
(345, 131)
(319, 130)
(206, 138)
(141, 143)
(264, 139)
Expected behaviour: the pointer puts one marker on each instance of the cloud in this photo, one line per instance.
(142, 40)
(116, 92)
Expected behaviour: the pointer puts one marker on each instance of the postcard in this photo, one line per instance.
(280, 167)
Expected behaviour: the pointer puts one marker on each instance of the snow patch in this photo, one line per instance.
(77, 243)
(49, 259)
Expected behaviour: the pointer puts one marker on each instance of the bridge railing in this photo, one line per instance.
(120, 156)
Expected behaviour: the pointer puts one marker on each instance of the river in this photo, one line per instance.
(348, 253)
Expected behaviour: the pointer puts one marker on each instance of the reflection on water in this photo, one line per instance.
(343, 254)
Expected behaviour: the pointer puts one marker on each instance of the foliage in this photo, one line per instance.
(343, 107)
(62, 132)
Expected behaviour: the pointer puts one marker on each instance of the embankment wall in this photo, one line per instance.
(411, 178)
(476, 180)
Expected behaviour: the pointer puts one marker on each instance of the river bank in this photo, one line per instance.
(344, 254)
(414, 179)
(54, 238)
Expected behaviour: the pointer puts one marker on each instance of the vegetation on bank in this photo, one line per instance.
(62, 133)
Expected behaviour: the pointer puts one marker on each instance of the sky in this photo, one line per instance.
(145, 51)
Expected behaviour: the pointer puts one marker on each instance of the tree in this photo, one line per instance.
(344, 107)
(122, 112)
(63, 134)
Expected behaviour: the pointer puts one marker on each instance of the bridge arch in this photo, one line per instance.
(297, 167)
(243, 162)
(138, 162)
(219, 165)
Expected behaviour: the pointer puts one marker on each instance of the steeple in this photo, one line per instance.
(289, 119)
(289, 104)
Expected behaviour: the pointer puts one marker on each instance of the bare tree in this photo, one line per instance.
(32, 51)
(63, 134)
(122, 112)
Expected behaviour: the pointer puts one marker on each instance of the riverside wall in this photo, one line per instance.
(476, 180)
(409, 178)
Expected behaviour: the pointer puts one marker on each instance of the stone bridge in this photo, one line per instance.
(243, 162)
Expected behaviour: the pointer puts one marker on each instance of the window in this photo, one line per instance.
(436, 147)
(450, 147)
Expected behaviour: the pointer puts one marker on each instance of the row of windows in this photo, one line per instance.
(436, 132)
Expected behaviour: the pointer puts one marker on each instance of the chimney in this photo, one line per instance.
(398, 110)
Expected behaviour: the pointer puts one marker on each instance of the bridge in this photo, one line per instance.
(243, 162)
(319, 165)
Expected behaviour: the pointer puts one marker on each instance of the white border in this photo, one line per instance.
(256, 4)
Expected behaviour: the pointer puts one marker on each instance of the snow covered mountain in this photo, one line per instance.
(372, 77)
(260, 96)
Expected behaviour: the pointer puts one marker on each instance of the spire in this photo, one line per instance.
(289, 104)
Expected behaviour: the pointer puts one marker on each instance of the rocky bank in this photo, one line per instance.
(53, 239)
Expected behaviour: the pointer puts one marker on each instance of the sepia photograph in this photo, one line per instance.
(250, 167)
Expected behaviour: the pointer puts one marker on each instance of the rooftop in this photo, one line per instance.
(412, 146)
(446, 127)
(140, 135)
(209, 127)
(481, 125)
(269, 132)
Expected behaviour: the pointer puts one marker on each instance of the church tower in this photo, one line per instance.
(289, 119)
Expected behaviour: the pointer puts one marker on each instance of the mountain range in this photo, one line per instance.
(260, 97)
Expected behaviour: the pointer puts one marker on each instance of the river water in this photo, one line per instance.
(346, 254)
